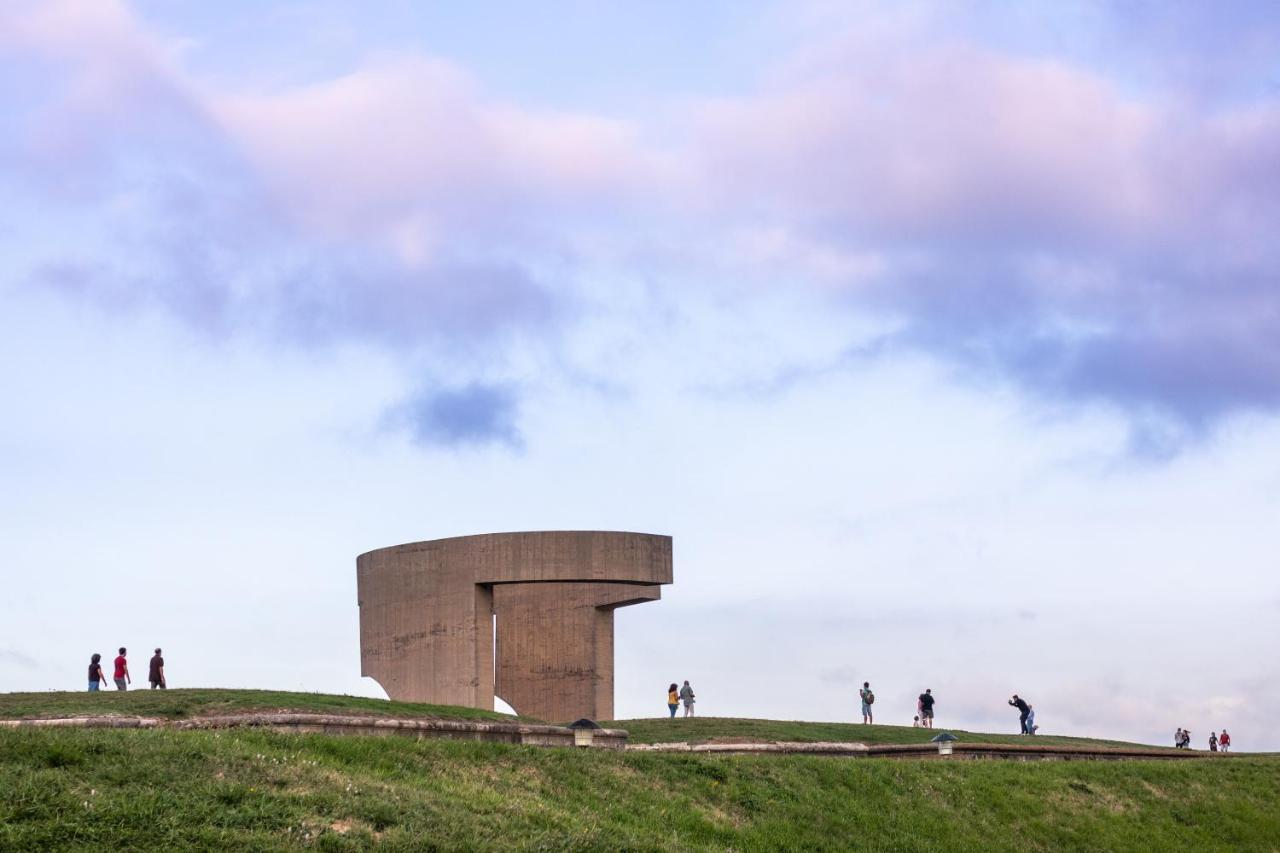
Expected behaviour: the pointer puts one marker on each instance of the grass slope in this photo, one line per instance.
(175, 704)
(245, 789)
(707, 729)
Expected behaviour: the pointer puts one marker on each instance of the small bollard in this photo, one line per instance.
(584, 731)
(944, 742)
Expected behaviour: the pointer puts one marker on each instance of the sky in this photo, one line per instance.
(943, 338)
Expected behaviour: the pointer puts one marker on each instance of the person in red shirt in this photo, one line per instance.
(1224, 741)
(122, 671)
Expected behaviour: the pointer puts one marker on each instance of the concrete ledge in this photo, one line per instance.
(856, 750)
(108, 722)
(474, 730)
(970, 751)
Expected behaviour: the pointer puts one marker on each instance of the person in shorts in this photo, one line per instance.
(156, 674)
(122, 677)
(926, 708)
(867, 699)
(1224, 741)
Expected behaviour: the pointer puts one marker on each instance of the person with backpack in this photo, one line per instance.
(1023, 710)
(926, 708)
(868, 699)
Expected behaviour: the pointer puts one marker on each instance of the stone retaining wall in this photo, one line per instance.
(476, 730)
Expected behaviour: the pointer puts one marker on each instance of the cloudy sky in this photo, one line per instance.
(944, 339)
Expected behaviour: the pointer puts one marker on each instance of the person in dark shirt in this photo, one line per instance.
(926, 708)
(1023, 709)
(96, 676)
(122, 677)
(156, 676)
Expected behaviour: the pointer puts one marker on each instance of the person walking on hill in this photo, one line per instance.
(122, 677)
(1213, 741)
(156, 675)
(686, 694)
(1031, 720)
(96, 676)
(673, 699)
(1177, 738)
(868, 698)
(1023, 710)
(1224, 741)
(926, 708)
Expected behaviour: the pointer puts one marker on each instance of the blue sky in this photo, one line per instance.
(943, 338)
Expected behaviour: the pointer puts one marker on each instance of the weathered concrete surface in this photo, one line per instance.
(331, 724)
(428, 610)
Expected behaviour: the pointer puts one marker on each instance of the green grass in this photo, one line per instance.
(178, 704)
(246, 789)
(708, 729)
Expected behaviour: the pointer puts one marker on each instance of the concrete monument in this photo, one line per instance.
(527, 617)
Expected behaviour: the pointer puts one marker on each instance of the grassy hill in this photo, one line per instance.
(711, 729)
(207, 702)
(250, 789)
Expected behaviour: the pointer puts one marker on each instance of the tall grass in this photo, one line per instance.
(240, 789)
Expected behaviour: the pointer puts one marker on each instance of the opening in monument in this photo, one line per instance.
(502, 706)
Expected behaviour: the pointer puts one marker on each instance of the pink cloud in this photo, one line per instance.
(411, 146)
(1014, 213)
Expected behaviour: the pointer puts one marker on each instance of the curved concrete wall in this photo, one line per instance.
(427, 617)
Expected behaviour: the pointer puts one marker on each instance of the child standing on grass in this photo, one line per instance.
(673, 700)
(915, 721)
